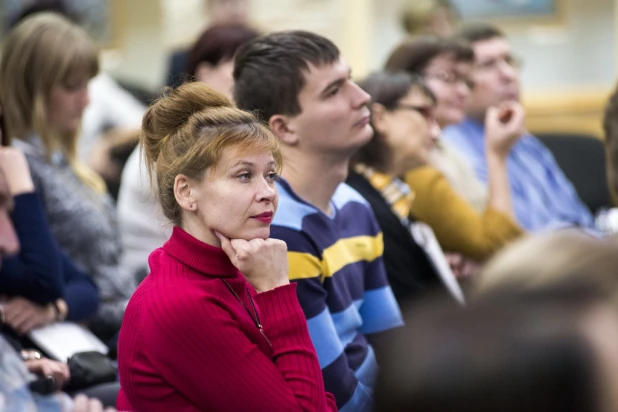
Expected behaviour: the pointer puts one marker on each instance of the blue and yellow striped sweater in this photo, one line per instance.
(342, 287)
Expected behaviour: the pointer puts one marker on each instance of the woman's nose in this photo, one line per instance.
(266, 191)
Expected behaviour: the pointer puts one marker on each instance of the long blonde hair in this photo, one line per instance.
(39, 54)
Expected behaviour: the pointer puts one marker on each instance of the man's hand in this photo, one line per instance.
(504, 126)
(23, 315)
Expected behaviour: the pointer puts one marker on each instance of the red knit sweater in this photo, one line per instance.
(188, 344)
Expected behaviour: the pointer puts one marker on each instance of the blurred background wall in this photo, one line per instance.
(569, 59)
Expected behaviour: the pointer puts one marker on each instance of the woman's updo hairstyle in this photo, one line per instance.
(187, 130)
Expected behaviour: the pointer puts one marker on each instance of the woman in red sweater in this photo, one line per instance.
(216, 325)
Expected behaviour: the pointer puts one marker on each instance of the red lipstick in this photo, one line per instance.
(265, 217)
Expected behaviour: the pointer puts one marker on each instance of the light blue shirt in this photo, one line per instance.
(15, 396)
(543, 198)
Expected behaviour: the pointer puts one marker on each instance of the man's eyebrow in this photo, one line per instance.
(337, 82)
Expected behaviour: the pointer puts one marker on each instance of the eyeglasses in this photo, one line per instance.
(492, 65)
(427, 111)
(451, 78)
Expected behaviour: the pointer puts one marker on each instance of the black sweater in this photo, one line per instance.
(408, 267)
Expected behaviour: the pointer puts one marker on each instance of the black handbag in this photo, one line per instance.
(88, 369)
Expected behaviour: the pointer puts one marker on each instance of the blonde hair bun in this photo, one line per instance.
(186, 131)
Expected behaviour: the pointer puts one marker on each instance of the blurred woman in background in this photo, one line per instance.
(46, 64)
(404, 136)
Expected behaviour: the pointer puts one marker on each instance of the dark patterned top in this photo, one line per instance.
(84, 223)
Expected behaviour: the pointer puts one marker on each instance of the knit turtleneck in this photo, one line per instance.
(199, 256)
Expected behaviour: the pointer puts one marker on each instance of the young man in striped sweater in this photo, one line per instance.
(299, 84)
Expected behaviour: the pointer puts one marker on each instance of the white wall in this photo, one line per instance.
(578, 52)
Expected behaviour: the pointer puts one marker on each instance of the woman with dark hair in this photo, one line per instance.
(404, 134)
(211, 59)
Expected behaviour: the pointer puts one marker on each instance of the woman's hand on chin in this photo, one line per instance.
(263, 262)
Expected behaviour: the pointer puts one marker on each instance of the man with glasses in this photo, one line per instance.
(543, 198)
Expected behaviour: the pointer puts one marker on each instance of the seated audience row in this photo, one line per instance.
(293, 273)
(466, 216)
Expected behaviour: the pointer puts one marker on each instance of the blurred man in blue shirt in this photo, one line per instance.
(543, 198)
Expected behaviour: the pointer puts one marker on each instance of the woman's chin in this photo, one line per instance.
(260, 233)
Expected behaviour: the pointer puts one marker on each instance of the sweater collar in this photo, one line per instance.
(200, 256)
(395, 191)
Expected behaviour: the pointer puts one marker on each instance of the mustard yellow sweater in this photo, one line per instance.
(457, 225)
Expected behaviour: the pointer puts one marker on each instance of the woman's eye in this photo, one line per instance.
(273, 176)
(244, 176)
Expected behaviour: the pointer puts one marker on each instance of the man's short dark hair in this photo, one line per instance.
(413, 56)
(269, 72)
(478, 32)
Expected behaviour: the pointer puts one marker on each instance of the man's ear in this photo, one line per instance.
(183, 193)
(283, 129)
(379, 118)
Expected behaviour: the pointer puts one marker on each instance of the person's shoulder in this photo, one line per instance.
(461, 132)
(174, 288)
(346, 194)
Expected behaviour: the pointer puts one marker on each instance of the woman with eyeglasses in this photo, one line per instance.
(446, 67)
(405, 132)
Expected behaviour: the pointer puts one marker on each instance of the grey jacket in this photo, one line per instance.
(85, 226)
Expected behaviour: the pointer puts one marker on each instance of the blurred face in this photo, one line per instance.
(451, 82)
(334, 116)
(67, 102)
(9, 243)
(601, 327)
(495, 75)
(237, 197)
(219, 77)
(410, 130)
(228, 11)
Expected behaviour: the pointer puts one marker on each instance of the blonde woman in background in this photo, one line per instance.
(46, 64)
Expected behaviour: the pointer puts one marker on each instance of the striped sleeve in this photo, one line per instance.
(305, 268)
(379, 310)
